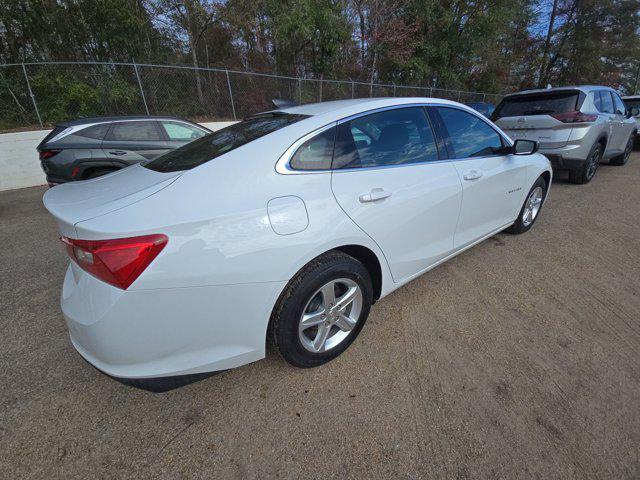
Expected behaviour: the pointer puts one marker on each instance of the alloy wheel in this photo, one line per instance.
(330, 315)
(594, 161)
(532, 206)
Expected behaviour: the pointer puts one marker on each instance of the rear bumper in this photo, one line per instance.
(142, 334)
(569, 157)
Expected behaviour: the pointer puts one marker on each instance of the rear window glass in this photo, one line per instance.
(56, 130)
(632, 103)
(222, 141)
(546, 103)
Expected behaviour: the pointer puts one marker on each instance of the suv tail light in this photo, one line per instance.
(574, 117)
(44, 154)
(118, 262)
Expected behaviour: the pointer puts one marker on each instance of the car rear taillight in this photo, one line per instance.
(44, 154)
(118, 262)
(574, 117)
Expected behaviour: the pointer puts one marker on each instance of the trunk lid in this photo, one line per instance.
(74, 202)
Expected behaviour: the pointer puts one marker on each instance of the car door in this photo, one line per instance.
(492, 179)
(133, 141)
(623, 125)
(180, 133)
(604, 105)
(389, 179)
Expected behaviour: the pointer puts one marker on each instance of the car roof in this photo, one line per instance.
(120, 118)
(344, 108)
(583, 88)
(631, 97)
(479, 103)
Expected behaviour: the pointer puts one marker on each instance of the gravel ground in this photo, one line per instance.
(519, 358)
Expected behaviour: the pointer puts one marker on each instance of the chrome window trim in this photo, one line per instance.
(283, 167)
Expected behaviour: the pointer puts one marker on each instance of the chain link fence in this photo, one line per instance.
(36, 95)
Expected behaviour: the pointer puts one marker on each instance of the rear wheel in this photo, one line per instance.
(588, 170)
(531, 208)
(322, 310)
(624, 158)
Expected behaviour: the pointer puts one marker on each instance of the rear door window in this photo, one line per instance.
(603, 101)
(139, 131)
(222, 141)
(470, 136)
(393, 137)
(544, 103)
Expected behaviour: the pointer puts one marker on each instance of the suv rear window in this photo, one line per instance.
(222, 141)
(56, 130)
(546, 103)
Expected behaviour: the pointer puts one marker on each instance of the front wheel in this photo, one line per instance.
(531, 208)
(322, 310)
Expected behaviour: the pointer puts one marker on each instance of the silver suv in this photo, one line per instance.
(576, 127)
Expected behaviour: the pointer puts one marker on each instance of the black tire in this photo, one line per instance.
(284, 323)
(520, 226)
(624, 158)
(588, 170)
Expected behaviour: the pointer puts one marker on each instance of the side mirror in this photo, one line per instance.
(524, 147)
(633, 112)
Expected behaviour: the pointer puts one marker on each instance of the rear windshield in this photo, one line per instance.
(632, 103)
(222, 141)
(56, 130)
(546, 103)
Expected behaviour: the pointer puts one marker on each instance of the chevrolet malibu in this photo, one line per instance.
(286, 226)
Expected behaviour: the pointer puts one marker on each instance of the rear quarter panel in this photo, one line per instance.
(218, 224)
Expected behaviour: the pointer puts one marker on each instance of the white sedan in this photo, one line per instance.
(287, 226)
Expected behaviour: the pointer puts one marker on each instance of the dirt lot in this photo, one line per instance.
(518, 359)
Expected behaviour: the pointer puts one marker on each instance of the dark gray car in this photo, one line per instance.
(91, 147)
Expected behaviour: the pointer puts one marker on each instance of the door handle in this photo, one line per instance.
(118, 152)
(472, 175)
(374, 195)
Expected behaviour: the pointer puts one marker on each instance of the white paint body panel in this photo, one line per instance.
(414, 226)
(237, 235)
(492, 194)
